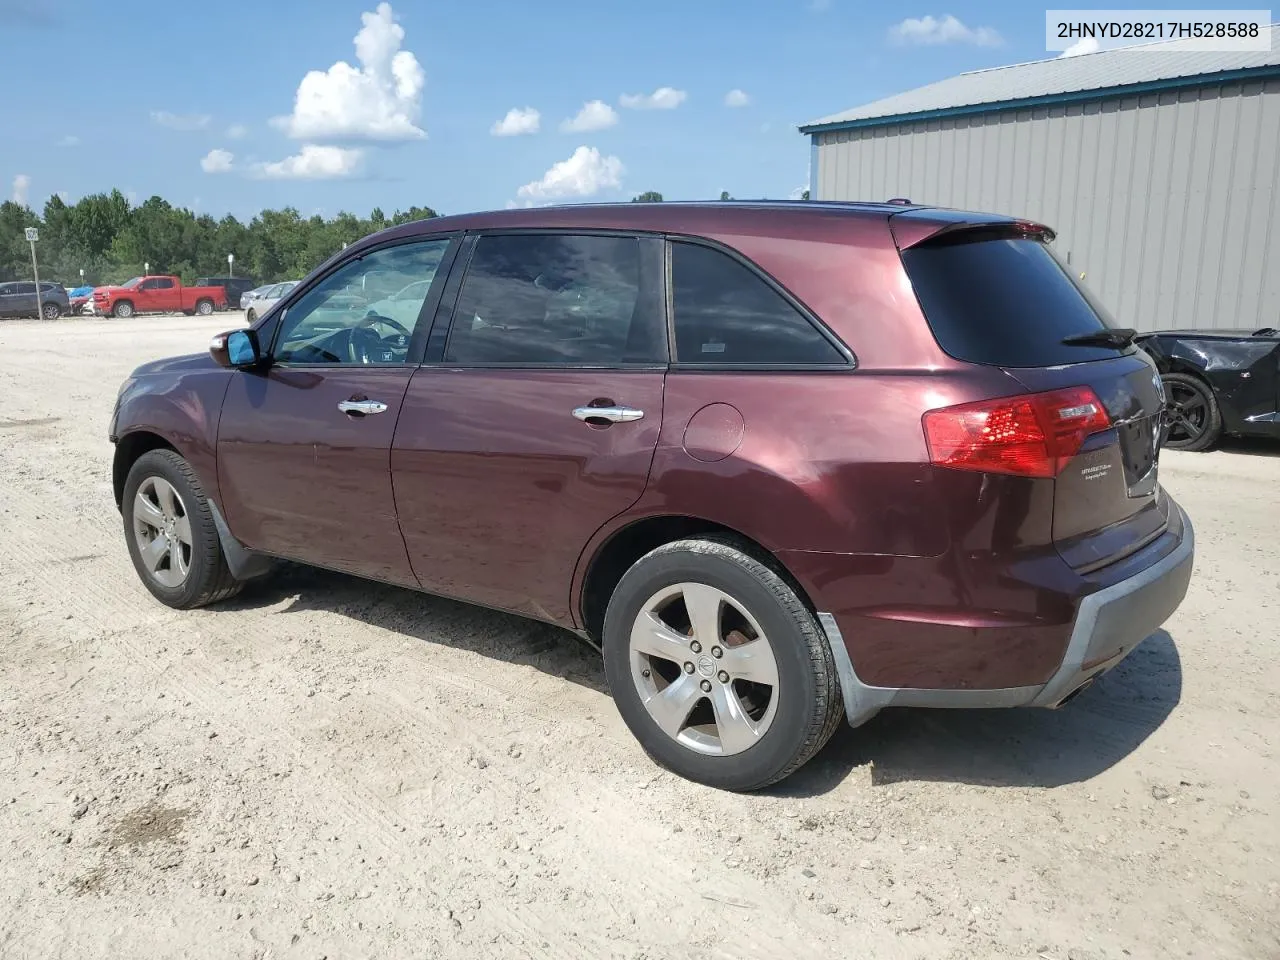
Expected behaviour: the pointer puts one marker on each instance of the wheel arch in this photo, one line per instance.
(612, 557)
(129, 448)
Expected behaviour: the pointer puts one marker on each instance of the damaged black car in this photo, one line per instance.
(1217, 382)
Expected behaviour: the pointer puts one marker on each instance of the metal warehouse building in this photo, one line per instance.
(1159, 170)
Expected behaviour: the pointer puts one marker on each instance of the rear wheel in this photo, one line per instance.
(123, 310)
(204, 307)
(717, 667)
(1192, 418)
(51, 311)
(171, 535)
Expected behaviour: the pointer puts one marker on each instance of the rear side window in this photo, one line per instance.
(725, 313)
(559, 299)
(1004, 302)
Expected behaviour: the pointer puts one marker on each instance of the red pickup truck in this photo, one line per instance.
(157, 294)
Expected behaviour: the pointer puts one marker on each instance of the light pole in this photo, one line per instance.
(231, 264)
(32, 235)
(82, 276)
(146, 267)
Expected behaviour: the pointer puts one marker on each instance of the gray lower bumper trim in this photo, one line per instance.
(1093, 608)
(862, 702)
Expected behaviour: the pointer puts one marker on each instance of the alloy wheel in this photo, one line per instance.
(162, 530)
(704, 669)
(1186, 414)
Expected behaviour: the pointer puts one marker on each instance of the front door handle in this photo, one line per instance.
(362, 407)
(611, 414)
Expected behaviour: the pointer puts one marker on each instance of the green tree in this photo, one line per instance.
(649, 196)
(724, 195)
(111, 240)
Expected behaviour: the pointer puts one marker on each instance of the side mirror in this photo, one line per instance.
(237, 349)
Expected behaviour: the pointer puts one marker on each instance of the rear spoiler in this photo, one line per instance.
(911, 228)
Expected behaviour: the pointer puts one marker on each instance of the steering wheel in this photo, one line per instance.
(371, 320)
(363, 343)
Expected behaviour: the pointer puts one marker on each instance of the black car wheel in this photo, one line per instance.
(1192, 418)
(171, 534)
(51, 311)
(717, 667)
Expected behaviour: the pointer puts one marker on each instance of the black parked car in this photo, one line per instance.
(1216, 382)
(18, 299)
(233, 285)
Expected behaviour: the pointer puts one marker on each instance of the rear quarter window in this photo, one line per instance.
(1004, 302)
(725, 313)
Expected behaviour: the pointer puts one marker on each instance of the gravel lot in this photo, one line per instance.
(329, 767)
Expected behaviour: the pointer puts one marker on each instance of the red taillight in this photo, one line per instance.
(1031, 436)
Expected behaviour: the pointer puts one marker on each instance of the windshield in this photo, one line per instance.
(132, 283)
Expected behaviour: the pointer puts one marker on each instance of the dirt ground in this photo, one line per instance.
(329, 767)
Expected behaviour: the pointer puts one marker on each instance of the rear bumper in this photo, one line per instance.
(1109, 624)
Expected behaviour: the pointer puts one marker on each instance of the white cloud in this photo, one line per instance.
(664, 98)
(594, 115)
(932, 31)
(217, 161)
(516, 122)
(21, 186)
(583, 174)
(1083, 45)
(313, 162)
(737, 98)
(180, 121)
(379, 100)
(70, 140)
(237, 131)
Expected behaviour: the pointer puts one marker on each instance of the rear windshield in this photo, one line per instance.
(1005, 302)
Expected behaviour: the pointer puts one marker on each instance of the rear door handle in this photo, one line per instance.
(612, 414)
(362, 407)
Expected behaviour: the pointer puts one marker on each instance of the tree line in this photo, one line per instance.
(111, 239)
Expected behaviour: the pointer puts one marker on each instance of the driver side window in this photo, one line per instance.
(365, 312)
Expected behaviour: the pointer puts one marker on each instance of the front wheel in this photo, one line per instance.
(1192, 418)
(717, 667)
(123, 310)
(204, 308)
(250, 317)
(171, 534)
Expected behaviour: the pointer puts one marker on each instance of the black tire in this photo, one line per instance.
(208, 579)
(809, 705)
(122, 310)
(1193, 420)
(51, 311)
(250, 317)
(204, 307)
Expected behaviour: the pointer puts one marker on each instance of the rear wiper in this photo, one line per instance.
(1120, 337)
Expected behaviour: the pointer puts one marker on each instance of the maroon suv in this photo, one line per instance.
(782, 462)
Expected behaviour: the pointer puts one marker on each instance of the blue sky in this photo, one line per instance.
(197, 103)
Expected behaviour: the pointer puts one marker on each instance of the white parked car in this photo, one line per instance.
(268, 298)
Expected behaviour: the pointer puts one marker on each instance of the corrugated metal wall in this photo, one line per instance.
(1169, 203)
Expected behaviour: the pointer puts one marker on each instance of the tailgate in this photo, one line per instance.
(1107, 501)
(994, 295)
